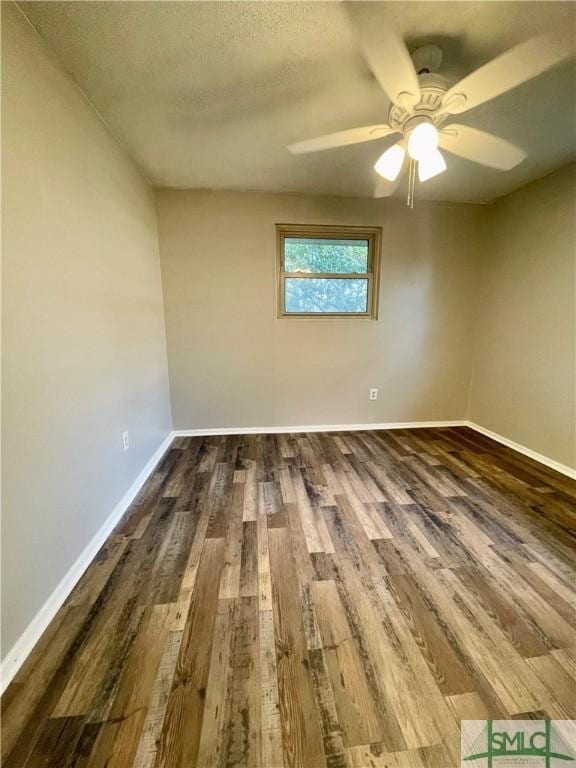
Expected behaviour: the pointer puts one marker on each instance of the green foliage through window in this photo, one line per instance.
(323, 255)
(326, 295)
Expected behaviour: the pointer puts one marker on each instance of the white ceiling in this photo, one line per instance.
(208, 94)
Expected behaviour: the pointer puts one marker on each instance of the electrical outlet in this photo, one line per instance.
(373, 394)
(125, 441)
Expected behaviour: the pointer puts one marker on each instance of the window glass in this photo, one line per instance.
(308, 254)
(320, 294)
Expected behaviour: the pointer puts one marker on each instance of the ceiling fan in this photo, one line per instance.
(423, 103)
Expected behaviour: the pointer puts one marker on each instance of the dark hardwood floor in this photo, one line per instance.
(310, 600)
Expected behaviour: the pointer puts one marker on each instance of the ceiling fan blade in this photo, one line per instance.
(342, 139)
(385, 53)
(516, 66)
(480, 147)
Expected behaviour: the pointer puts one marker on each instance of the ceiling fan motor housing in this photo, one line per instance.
(432, 89)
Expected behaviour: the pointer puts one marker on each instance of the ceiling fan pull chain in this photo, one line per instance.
(411, 183)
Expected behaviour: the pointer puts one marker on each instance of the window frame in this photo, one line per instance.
(330, 232)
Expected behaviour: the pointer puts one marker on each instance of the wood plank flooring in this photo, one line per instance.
(314, 600)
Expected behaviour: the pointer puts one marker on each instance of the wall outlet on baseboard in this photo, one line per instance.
(125, 441)
(373, 394)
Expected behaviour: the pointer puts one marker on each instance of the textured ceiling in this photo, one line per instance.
(208, 94)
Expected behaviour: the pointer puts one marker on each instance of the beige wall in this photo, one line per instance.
(523, 384)
(83, 333)
(234, 364)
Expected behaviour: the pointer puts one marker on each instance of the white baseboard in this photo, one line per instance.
(565, 470)
(562, 468)
(315, 428)
(28, 639)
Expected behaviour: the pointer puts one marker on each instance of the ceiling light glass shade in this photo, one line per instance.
(422, 141)
(390, 163)
(431, 165)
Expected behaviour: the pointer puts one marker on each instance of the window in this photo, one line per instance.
(327, 271)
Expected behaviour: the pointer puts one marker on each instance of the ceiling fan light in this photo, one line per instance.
(431, 165)
(423, 140)
(389, 164)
